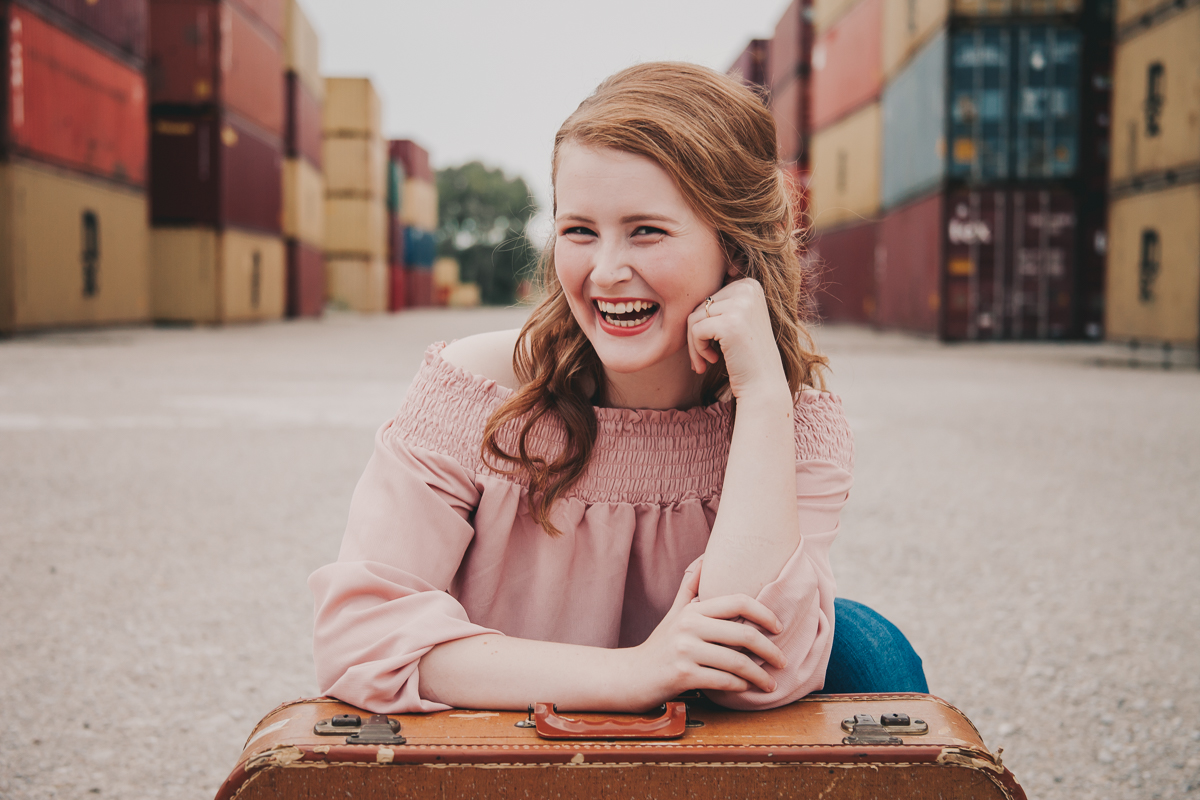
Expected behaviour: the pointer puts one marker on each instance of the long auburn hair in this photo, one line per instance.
(717, 140)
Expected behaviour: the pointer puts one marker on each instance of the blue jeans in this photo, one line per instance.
(870, 654)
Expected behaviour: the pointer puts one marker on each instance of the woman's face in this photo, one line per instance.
(634, 261)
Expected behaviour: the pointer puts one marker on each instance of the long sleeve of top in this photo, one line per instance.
(439, 546)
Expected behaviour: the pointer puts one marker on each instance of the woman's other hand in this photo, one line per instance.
(738, 321)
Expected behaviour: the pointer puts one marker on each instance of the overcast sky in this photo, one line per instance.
(492, 80)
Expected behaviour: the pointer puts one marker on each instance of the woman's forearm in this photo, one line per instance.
(757, 528)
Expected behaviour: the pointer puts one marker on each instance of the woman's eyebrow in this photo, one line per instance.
(648, 218)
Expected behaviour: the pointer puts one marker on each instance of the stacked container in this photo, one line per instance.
(751, 66)
(396, 175)
(217, 125)
(356, 231)
(1153, 284)
(303, 181)
(419, 217)
(787, 76)
(74, 242)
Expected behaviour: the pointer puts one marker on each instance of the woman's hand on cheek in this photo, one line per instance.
(697, 646)
(739, 322)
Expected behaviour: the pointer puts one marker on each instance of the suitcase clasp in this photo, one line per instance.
(863, 729)
(379, 729)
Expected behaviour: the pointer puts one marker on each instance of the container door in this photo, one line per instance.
(1043, 236)
(974, 277)
(978, 97)
(1047, 101)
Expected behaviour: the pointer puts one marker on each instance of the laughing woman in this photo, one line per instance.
(635, 494)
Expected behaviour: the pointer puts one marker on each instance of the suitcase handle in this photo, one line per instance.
(552, 725)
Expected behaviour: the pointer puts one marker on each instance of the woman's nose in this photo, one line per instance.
(611, 266)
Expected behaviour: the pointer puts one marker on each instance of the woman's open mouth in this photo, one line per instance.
(627, 313)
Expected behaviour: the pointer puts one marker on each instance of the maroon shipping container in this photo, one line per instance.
(847, 68)
(418, 288)
(212, 168)
(845, 259)
(266, 12)
(397, 288)
(1043, 253)
(120, 23)
(414, 158)
(303, 137)
(789, 107)
(305, 280)
(395, 239)
(205, 52)
(751, 66)
(908, 266)
(70, 104)
(791, 48)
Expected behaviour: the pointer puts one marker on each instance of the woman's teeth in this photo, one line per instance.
(627, 314)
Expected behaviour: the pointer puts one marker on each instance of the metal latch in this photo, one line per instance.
(379, 729)
(863, 729)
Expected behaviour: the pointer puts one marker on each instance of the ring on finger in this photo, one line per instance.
(708, 301)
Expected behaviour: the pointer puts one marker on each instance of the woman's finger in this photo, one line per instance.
(689, 587)
(735, 663)
(732, 606)
(729, 634)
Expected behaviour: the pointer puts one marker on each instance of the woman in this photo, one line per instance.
(635, 494)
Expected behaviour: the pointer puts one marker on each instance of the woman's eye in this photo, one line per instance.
(648, 230)
(578, 230)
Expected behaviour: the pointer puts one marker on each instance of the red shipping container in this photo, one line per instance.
(789, 107)
(70, 104)
(303, 137)
(791, 48)
(267, 12)
(414, 158)
(847, 64)
(845, 259)
(908, 266)
(204, 52)
(121, 23)
(395, 239)
(1043, 263)
(397, 288)
(751, 66)
(418, 287)
(305, 280)
(212, 168)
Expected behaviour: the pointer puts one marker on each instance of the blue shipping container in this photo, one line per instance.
(1047, 102)
(914, 125)
(980, 77)
(420, 248)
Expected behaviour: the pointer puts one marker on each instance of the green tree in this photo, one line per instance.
(482, 215)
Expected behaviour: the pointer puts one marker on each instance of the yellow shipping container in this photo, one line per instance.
(1153, 291)
(419, 208)
(827, 12)
(1004, 8)
(355, 226)
(303, 202)
(907, 26)
(1134, 10)
(200, 274)
(351, 108)
(301, 48)
(445, 273)
(1156, 99)
(845, 170)
(73, 250)
(355, 167)
(358, 284)
(464, 295)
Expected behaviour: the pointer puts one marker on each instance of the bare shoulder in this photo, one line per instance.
(486, 354)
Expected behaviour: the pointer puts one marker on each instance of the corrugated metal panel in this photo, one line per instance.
(397, 288)
(420, 206)
(395, 254)
(214, 169)
(790, 53)
(351, 108)
(201, 274)
(914, 123)
(419, 287)
(1011, 8)
(1043, 263)
(845, 173)
(750, 67)
(205, 52)
(908, 266)
(73, 250)
(826, 12)
(414, 158)
(1153, 291)
(270, 13)
(980, 89)
(1047, 102)
(302, 49)
(121, 23)
(907, 26)
(846, 259)
(355, 226)
(395, 186)
(303, 202)
(847, 71)
(1156, 99)
(303, 136)
(358, 284)
(305, 280)
(788, 107)
(355, 167)
(72, 105)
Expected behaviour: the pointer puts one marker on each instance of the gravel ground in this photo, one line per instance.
(1027, 515)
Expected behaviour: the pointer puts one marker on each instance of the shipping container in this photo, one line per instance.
(1016, 8)
(980, 91)
(907, 27)
(846, 64)
(395, 255)
(70, 104)
(213, 168)
(303, 202)
(1138, 13)
(465, 295)
(355, 226)
(446, 273)
(206, 52)
(74, 250)
(914, 123)
(395, 186)
(204, 275)
(303, 136)
(1156, 100)
(302, 49)
(267, 14)
(845, 170)
(397, 288)
(351, 108)
(790, 53)
(420, 205)
(1153, 292)
(845, 260)
(355, 167)
(119, 23)
(420, 248)
(1046, 102)
(826, 12)
(419, 287)
(414, 158)
(751, 66)
(305, 280)
(788, 107)
(908, 264)
(358, 284)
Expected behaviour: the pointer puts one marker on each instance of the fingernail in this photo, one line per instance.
(773, 685)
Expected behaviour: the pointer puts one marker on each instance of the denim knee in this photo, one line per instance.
(870, 654)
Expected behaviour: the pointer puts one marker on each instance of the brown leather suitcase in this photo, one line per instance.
(834, 747)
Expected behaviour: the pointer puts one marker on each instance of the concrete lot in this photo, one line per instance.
(1030, 518)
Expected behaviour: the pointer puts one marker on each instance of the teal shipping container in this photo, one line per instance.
(980, 87)
(1047, 102)
(914, 126)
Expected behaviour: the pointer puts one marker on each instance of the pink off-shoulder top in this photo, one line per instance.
(439, 547)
